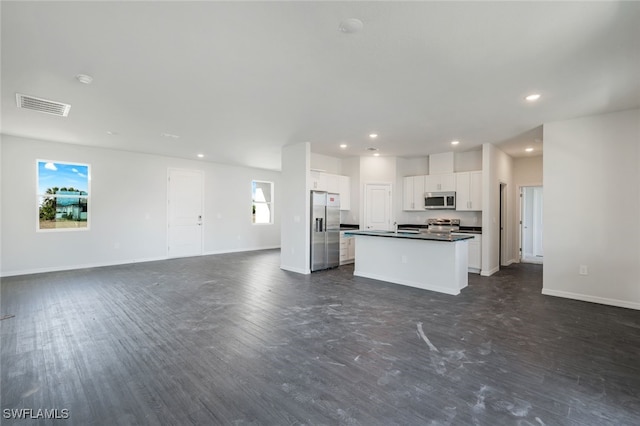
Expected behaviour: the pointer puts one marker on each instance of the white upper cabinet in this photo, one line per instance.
(344, 189)
(469, 191)
(440, 182)
(321, 181)
(318, 181)
(413, 191)
(333, 183)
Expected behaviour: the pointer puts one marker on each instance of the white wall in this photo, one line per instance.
(326, 163)
(468, 161)
(295, 238)
(592, 208)
(128, 208)
(527, 171)
(498, 168)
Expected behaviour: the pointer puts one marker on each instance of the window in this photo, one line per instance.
(262, 197)
(63, 196)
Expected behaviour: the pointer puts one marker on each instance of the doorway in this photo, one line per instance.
(377, 206)
(502, 246)
(531, 224)
(185, 193)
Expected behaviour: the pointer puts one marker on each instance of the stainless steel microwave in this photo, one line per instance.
(440, 200)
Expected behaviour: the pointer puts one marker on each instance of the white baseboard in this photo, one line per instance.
(592, 299)
(74, 267)
(239, 250)
(296, 270)
(490, 272)
(114, 263)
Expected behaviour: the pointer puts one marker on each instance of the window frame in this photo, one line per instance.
(269, 203)
(40, 196)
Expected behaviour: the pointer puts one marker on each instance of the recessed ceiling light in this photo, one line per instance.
(343, 145)
(376, 154)
(84, 79)
(533, 97)
(351, 26)
(373, 135)
(169, 135)
(529, 149)
(200, 155)
(455, 142)
(110, 133)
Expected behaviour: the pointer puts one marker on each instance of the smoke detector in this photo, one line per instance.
(42, 105)
(351, 26)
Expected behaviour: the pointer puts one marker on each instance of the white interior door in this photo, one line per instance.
(531, 224)
(377, 207)
(185, 210)
(537, 222)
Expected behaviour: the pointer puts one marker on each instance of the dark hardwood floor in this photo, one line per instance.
(232, 339)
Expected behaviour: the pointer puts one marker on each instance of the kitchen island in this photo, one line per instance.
(436, 262)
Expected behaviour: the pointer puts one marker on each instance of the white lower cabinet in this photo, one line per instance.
(347, 249)
(475, 251)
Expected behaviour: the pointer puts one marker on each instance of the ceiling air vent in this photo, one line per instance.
(42, 105)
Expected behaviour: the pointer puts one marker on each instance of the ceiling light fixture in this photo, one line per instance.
(533, 97)
(529, 149)
(373, 135)
(343, 145)
(110, 133)
(84, 79)
(200, 155)
(376, 154)
(351, 26)
(455, 142)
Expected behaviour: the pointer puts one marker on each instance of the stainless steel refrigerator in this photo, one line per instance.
(325, 230)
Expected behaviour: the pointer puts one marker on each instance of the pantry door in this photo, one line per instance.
(185, 196)
(377, 207)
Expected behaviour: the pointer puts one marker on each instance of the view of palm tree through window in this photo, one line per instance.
(63, 195)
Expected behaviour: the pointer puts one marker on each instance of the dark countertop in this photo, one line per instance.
(411, 236)
(463, 229)
(346, 226)
(471, 229)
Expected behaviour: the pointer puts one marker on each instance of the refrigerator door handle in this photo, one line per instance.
(318, 224)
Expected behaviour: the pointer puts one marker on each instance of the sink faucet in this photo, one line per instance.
(395, 225)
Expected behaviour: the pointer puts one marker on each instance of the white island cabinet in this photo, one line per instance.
(475, 251)
(415, 260)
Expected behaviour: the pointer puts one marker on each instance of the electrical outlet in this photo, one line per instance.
(583, 270)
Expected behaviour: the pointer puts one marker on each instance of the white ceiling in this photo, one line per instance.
(238, 80)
